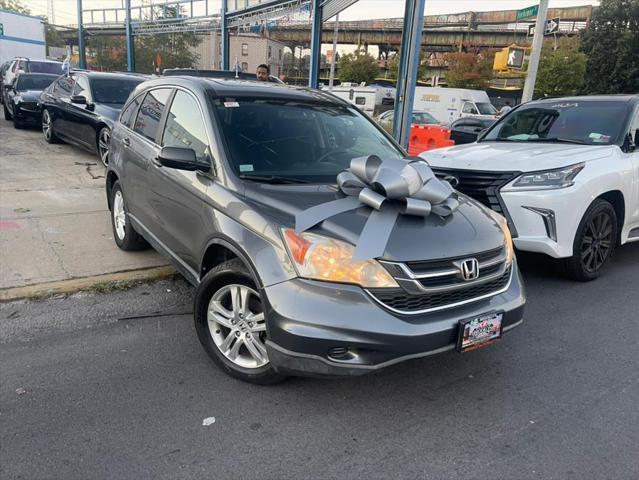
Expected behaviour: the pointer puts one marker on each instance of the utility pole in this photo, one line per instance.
(81, 50)
(332, 75)
(533, 63)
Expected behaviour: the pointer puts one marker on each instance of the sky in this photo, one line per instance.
(65, 10)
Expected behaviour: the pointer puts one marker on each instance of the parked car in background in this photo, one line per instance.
(467, 129)
(23, 96)
(564, 171)
(387, 119)
(209, 173)
(449, 104)
(80, 108)
(25, 65)
(3, 69)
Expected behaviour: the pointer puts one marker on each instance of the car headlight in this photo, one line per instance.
(323, 258)
(508, 238)
(551, 179)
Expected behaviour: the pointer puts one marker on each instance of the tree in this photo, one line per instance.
(393, 66)
(14, 6)
(358, 67)
(611, 43)
(469, 70)
(561, 71)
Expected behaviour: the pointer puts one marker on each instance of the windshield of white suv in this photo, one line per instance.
(486, 108)
(579, 122)
(289, 140)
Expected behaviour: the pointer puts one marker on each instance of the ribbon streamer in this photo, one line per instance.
(390, 188)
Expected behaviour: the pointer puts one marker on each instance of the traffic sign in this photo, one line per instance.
(516, 57)
(527, 12)
(552, 26)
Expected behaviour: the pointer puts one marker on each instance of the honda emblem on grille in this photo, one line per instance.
(469, 269)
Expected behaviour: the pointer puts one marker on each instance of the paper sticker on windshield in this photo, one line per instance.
(599, 137)
(231, 104)
(246, 168)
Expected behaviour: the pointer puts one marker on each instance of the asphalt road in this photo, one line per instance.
(105, 387)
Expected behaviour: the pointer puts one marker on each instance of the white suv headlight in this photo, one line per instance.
(550, 179)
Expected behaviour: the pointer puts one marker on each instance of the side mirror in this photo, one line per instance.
(79, 99)
(180, 158)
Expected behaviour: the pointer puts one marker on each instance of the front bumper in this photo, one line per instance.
(27, 114)
(534, 232)
(317, 328)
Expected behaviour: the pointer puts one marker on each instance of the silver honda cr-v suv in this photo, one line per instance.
(316, 246)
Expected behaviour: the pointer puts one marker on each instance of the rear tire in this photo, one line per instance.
(125, 236)
(594, 242)
(230, 323)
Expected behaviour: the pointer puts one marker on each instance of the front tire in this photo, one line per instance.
(231, 325)
(104, 144)
(594, 242)
(47, 127)
(125, 236)
(7, 113)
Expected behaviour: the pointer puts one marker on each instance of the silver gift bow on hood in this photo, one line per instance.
(390, 188)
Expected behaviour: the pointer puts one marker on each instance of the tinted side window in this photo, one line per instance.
(65, 86)
(185, 126)
(150, 113)
(82, 87)
(128, 114)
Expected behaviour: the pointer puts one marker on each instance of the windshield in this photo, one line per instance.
(486, 108)
(422, 118)
(302, 141)
(589, 122)
(45, 67)
(113, 90)
(39, 82)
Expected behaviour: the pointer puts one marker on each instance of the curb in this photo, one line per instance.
(74, 285)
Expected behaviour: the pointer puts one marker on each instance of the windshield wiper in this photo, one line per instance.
(558, 140)
(273, 179)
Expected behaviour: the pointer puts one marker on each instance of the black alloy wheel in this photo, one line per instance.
(594, 243)
(104, 145)
(47, 127)
(7, 113)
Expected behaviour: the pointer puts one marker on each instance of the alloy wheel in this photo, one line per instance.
(119, 215)
(46, 125)
(237, 326)
(103, 145)
(597, 242)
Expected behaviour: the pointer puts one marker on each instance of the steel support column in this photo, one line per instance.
(224, 35)
(81, 48)
(316, 45)
(130, 48)
(408, 68)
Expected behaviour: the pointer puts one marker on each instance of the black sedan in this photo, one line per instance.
(22, 98)
(81, 108)
(467, 129)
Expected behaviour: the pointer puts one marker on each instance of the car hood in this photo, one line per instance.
(108, 112)
(512, 156)
(29, 95)
(471, 229)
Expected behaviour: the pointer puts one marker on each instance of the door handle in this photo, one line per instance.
(126, 142)
(156, 162)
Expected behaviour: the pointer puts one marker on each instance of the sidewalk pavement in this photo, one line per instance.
(55, 230)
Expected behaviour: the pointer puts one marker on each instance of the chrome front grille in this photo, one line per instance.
(435, 285)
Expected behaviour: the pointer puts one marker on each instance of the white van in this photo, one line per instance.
(449, 104)
(373, 100)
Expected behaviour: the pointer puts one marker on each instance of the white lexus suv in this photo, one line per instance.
(564, 172)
